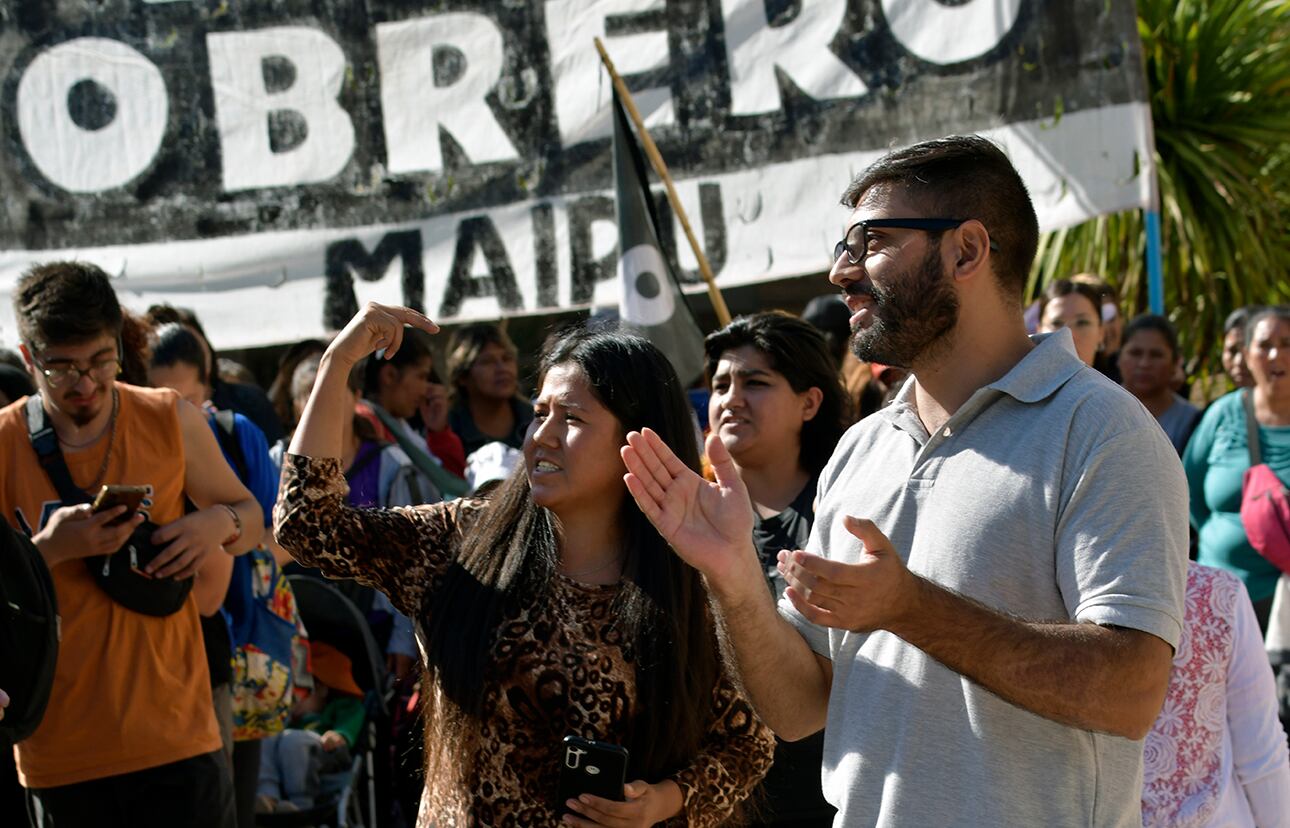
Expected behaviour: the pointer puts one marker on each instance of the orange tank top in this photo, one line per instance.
(130, 691)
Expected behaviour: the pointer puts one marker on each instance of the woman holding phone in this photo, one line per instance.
(551, 609)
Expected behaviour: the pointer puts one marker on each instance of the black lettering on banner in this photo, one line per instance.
(348, 257)
(544, 256)
(587, 271)
(480, 232)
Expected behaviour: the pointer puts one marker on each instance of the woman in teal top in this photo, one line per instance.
(1218, 455)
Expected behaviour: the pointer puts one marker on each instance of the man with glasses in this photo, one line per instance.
(984, 616)
(129, 737)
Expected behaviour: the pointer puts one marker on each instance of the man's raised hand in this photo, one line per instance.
(708, 524)
(374, 328)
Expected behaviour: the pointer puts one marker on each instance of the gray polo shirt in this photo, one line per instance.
(1050, 495)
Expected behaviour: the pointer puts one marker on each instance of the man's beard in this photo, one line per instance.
(911, 319)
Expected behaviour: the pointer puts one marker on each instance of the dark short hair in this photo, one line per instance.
(796, 350)
(1153, 322)
(1278, 312)
(176, 344)
(1066, 287)
(65, 303)
(964, 177)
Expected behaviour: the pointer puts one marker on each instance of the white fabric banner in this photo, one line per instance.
(430, 159)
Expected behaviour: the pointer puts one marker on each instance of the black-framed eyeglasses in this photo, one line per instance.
(857, 236)
(102, 370)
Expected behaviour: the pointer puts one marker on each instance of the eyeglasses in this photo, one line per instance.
(104, 370)
(857, 236)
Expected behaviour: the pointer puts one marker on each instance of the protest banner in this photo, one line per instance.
(273, 165)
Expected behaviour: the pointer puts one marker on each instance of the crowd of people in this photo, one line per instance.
(939, 558)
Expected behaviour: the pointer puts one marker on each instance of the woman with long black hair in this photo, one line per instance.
(553, 608)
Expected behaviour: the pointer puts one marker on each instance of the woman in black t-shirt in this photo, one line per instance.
(778, 406)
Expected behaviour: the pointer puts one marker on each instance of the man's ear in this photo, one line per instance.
(27, 359)
(973, 249)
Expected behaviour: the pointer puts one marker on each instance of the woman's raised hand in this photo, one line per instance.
(708, 524)
(374, 327)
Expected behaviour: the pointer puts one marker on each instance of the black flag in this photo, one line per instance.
(650, 302)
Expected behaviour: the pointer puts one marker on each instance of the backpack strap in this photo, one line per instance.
(1251, 429)
(45, 441)
(226, 434)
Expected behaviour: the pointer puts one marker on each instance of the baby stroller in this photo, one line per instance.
(348, 799)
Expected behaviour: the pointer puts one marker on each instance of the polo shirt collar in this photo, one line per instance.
(1036, 377)
(1045, 369)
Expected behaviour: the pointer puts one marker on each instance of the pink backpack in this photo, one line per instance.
(1265, 503)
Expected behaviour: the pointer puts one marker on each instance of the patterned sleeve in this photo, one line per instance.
(399, 551)
(735, 755)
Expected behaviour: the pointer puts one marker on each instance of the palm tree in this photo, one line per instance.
(1218, 74)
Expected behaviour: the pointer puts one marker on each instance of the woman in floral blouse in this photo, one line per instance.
(553, 608)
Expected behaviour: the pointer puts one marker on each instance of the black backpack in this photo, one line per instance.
(28, 633)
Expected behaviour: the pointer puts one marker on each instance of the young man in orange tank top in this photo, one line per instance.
(129, 737)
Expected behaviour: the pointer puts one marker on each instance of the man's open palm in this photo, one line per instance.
(708, 524)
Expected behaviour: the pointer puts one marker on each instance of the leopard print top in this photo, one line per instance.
(557, 669)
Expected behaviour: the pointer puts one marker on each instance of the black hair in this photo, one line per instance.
(797, 351)
(414, 349)
(158, 315)
(65, 303)
(508, 559)
(829, 314)
(176, 344)
(1278, 312)
(1153, 322)
(964, 177)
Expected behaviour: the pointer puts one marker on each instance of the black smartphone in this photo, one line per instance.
(588, 767)
(109, 497)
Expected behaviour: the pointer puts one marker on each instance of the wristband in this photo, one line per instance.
(237, 525)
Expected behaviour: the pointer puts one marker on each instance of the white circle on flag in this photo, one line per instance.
(647, 297)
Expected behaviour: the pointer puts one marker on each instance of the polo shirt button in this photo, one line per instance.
(948, 432)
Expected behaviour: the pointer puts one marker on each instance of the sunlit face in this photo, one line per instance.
(571, 447)
(754, 410)
(404, 388)
(1268, 356)
(902, 299)
(1234, 358)
(493, 375)
(1147, 364)
(1074, 311)
(80, 397)
(183, 378)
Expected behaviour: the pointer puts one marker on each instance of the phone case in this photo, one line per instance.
(588, 767)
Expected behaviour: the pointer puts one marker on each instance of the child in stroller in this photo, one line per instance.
(324, 728)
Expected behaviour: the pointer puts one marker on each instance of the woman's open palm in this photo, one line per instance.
(708, 524)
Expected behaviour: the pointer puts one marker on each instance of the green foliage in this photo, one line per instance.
(1218, 74)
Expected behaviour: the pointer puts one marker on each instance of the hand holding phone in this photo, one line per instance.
(589, 767)
(110, 497)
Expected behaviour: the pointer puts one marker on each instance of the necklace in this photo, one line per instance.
(107, 455)
(594, 569)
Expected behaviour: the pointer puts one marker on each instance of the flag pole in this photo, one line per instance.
(660, 167)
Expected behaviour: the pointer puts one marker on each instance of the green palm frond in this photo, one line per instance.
(1218, 74)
